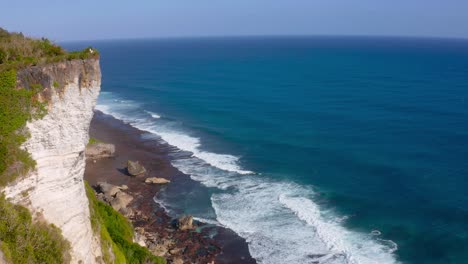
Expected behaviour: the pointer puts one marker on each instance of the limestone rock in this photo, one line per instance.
(99, 151)
(162, 248)
(175, 251)
(139, 236)
(159, 250)
(108, 189)
(57, 144)
(185, 223)
(134, 168)
(177, 261)
(155, 180)
(121, 201)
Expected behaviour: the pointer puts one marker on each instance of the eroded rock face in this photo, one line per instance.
(99, 151)
(134, 168)
(57, 144)
(155, 180)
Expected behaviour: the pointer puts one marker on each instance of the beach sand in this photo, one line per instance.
(153, 154)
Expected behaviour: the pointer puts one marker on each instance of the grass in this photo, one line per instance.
(93, 141)
(25, 241)
(116, 234)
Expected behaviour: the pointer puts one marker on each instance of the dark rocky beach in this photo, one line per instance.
(197, 245)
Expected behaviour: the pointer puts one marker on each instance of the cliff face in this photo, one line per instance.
(55, 190)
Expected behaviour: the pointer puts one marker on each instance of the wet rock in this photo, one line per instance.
(185, 223)
(155, 180)
(134, 168)
(99, 151)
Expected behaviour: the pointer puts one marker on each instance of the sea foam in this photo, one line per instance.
(279, 220)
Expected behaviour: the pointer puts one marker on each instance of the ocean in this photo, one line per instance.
(327, 149)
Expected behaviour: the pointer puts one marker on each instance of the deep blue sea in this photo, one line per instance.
(333, 149)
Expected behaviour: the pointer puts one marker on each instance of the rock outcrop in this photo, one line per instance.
(99, 151)
(134, 168)
(114, 196)
(55, 189)
(155, 180)
(185, 223)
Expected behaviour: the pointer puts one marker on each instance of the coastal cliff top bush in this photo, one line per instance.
(18, 51)
(17, 106)
(24, 241)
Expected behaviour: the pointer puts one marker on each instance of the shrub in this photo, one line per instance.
(116, 234)
(16, 106)
(93, 141)
(26, 241)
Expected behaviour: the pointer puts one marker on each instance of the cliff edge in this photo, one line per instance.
(54, 191)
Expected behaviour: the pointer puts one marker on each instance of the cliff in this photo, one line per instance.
(54, 191)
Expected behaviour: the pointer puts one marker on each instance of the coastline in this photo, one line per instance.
(202, 247)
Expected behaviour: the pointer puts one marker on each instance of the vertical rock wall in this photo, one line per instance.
(55, 190)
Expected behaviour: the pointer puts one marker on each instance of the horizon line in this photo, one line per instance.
(269, 36)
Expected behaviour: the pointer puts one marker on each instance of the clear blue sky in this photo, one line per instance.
(62, 20)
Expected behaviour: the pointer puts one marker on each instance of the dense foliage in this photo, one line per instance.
(117, 235)
(16, 107)
(18, 51)
(25, 241)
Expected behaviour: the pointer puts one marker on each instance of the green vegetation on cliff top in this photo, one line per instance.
(116, 235)
(17, 106)
(18, 51)
(22, 239)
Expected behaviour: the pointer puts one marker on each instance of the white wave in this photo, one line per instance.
(280, 224)
(192, 144)
(173, 137)
(163, 204)
(207, 221)
(358, 248)
(153, 114)
(279, 220)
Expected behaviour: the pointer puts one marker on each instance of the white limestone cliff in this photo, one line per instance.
(55, 190)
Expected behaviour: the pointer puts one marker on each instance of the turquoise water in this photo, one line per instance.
(340, 150)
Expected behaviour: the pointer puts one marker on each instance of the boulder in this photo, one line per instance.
(162, 247)
(175, 251)
(99, 151)
(185, 223)
(139, 236)
(121, 201)
(134, 168)
(177, 260)
(155, 180)
(108, 189)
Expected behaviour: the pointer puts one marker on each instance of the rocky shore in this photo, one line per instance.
(129, 173)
